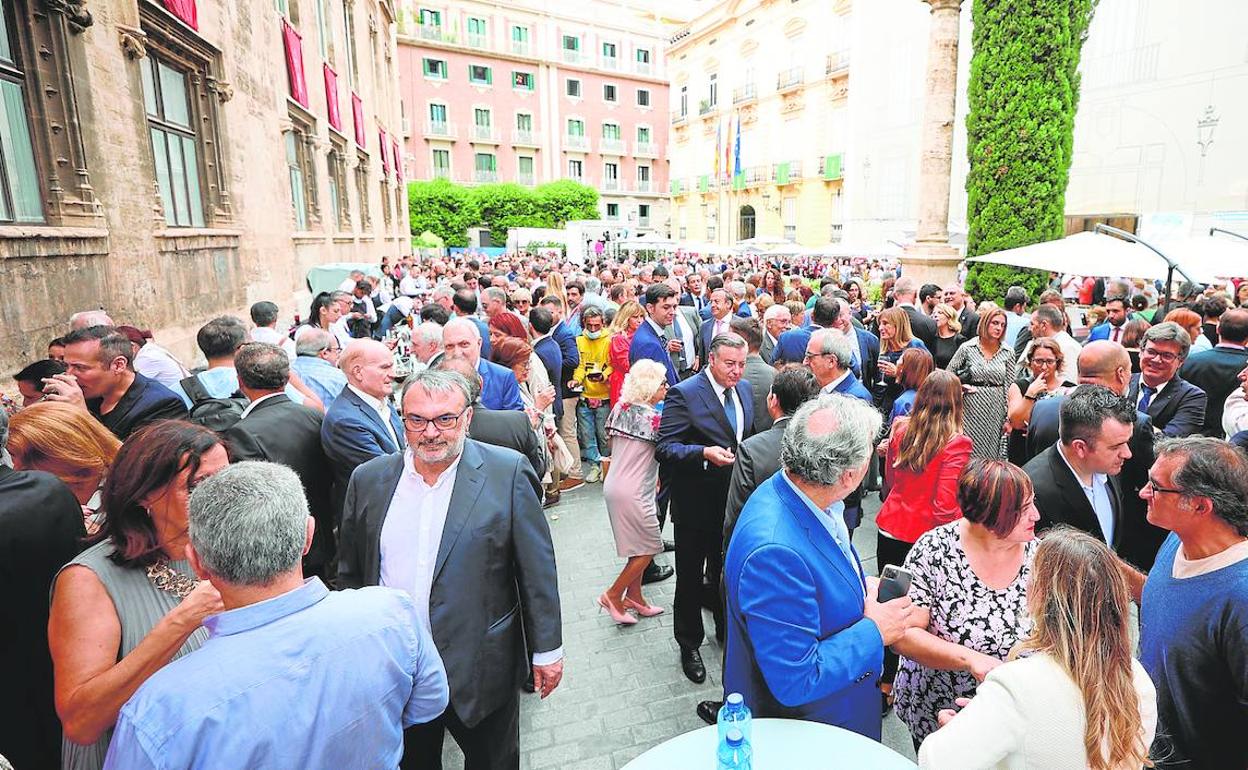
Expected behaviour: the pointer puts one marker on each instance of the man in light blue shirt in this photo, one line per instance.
(292, 676)
(316, 363)
(1016, 316)
(220, 339)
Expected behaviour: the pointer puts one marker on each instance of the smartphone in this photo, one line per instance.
(894, 583)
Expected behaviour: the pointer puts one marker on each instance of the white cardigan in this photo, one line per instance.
(1026, 714)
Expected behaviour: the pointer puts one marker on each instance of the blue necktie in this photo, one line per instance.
(730, 412)
(1147, 398)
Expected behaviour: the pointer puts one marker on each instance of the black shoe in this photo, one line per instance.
(668, 546)
(656, 573)
(708, 711)
(691, 663)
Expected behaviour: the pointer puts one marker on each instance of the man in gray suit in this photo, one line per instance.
(684, 327)
(500, 427)
(758, 372)
(458, 525)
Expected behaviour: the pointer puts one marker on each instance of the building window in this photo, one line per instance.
(574, 88)
(608, 92)
(713, 93)
(684, 101)
(338, 200)
(608, 50)
(361, 189)
(576, 127)
(435, 68)
(299, 169)
(479, 74)
(613, 211)
(643, 135)
(571, 43)
(524, 122)
(20, 196)
(524, 169)
(611, 131)
(353, 65)
(442, 164)
(576, 169)
(643, 56)
(387, 216)
(437, 114)
(643, 97)
(788, 214)
(485, 166)
(519, 39)
(476, 32)
(522, 80)
(322, 29)
(643, 215)
(174, 148)
(430, 18)
(643, 174)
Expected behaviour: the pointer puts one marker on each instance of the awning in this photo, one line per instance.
(1088, 253)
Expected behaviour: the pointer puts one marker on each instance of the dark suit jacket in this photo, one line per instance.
(146, 400)
(647, 344)
(708, 327)
(508, 429)
(42, 529)
(351, 435)
(1213, 371)
(570, 356)
(757, 459)
(969, 320)
(686, 299)
(1060, 498)
(494, 582)
(552, 358)
(1178, 410)
(683, 361)
(693, 419)
(791, 346)
(921, 325)
(767, 348)
(869, 344)
(851, 386)
(760, 375)
(280, 431)
(1140, 539)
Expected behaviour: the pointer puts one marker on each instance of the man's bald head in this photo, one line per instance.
(1105, 363)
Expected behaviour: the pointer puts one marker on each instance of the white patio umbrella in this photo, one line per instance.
(1208, 258)
(1088, 253)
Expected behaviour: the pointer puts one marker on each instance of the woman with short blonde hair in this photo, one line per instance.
(630, 316)
(68, 443)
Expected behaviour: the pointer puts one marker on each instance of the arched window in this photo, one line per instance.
(746, 226)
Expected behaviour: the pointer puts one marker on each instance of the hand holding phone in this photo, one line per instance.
(894, 583)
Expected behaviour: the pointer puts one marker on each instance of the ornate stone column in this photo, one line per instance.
(931, 259)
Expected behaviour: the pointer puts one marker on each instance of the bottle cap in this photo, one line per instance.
(734, 737)
(735, 698)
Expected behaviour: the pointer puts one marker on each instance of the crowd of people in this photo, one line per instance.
(348, 509)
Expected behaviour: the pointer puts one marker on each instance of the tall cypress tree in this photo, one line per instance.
(1023, 92)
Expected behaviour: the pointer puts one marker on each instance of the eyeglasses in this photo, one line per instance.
(1158, 489)
(808, 355)
(1168, 358)
(1044, 361)
(442, 422)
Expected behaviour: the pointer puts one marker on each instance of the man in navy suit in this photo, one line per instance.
(1176, 405)
(1115, 321)
(548, 351)
(649, 341)
(720, 321)
(830, 357)
(361, 423)
(1214, 370)
(462, 339)
(864, 346)
(693, 292)
(791, 347)
(704, 419)
(806, 635)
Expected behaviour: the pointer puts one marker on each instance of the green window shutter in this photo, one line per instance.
(782, 173)
(704, 183)
(489, 75)
(832, 167)
(676, 188)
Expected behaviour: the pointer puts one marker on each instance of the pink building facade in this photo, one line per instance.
(493, 92)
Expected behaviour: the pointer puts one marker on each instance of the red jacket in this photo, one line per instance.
(918, 502)
(617, 357)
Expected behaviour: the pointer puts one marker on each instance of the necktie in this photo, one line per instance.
(1117, 333)
(729, 411)
(1147, 398)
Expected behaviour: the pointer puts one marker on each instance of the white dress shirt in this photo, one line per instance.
(736, 402)
(681, 327)
(1139, 396)
(253, 404)
(267, 334)
(381, 408)
(1098, 497)
(156, 363)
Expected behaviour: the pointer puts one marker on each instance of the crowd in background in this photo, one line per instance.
(1043, 465)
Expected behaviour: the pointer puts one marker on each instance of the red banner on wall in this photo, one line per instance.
(184, 10)
(294, 63)
(331, 98)
(398, 159)
(357, 115)
(385, 156)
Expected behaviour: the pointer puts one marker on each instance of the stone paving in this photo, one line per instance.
(623, 690)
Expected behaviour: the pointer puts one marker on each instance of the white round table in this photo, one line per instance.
(777, 744)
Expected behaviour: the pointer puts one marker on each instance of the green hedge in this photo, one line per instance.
(448, 209)
(1022, 95)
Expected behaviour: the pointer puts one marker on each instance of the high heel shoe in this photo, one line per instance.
(644, 610)
(619, 616)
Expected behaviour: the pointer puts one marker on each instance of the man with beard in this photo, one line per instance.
(458, 525)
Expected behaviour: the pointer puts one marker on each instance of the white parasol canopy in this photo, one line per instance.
(1207, 258)
(1089, 253)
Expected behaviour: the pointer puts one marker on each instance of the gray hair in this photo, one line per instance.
(1214, 469)
(834, 343)
(593, 285)
(731, 340)
(1169, 331)
(464, 322)
(438, 381)
(312, 341)
(442, 290)
(824, 459)
(495, 293)
(773, 312)
(248, 523)
(262, 367)
(428, 332)
(87, 318)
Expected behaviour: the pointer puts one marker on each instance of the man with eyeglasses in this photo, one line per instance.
(1194, 604)
(1176, 406)
(458, 525)
(316, 363)
(830, 357)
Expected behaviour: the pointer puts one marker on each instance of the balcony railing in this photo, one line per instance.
(837, 232)
(440, 129)
(575, 142)
(679, 118)
(837, 62)
(643, 67)
(645, 186)
(575, 177)
(643, 221)
(521, 48)
(611, 147)
(481, 177)
(523, 138)
(610, 63)
(757, 175)
(525, 179)
(745, 93)
(786, 173)
(646, 149)
(611, 185)
(705, 107)
(572, 56)
(790, 78)
(436, 33)
(484, 134)
(441, 173)
(477, 40)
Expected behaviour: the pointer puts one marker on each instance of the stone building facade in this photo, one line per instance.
(171, 160)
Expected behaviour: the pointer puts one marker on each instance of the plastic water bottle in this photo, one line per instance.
(734, 751)
(734, 713)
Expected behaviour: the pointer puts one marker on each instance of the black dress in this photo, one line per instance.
(945, 348)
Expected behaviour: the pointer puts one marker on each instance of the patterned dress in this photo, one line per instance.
(984, 409)
(963, 611)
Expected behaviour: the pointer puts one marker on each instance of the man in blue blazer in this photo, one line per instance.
(806, 635)
(462, 339)
(704, 420)
(361, 423)
(720, 321)
(829, 356)
(864, 346)
(648, 341)
(547, 350)
(791, 346)
(1115, 321)
(1176, 405)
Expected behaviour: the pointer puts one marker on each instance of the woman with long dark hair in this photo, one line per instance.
(130, 603)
